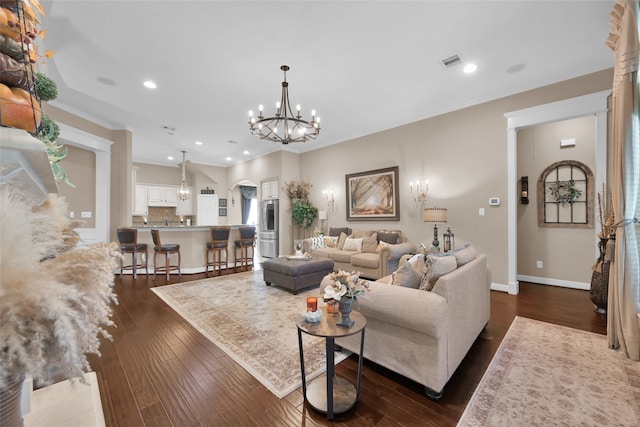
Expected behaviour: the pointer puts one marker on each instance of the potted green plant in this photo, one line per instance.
(303, 213)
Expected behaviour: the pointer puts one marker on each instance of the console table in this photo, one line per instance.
(329, 393)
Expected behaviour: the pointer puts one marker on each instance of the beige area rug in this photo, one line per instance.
(549, 375)
(254, 324)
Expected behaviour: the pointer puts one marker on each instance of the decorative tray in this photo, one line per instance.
(299, 257)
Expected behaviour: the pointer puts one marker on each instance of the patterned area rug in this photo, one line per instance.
(254, 324)
(549, 375)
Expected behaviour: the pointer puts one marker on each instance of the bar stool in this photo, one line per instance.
(247, 240)
(219, 243)
(166, 250)
(128, 238)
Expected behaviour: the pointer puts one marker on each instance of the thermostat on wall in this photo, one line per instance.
(494, 201)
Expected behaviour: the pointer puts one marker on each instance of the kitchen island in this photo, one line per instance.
(193, 245)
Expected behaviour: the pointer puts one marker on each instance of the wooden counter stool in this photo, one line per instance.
(219, 243)
(247, 241)
(128, 238)
(166, 250)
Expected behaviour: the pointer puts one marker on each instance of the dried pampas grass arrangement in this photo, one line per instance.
(55, 302)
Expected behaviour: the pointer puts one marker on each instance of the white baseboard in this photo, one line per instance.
(555, 282)
(499, 287)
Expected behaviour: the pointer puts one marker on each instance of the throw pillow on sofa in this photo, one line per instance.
(351, 244)
(317, 242)
(335, 231)
(464, 255)
(418, 262)
(437, 266)
(369, 244)
(341, 240)
(389, 236)
(331, 241)
(406, 276)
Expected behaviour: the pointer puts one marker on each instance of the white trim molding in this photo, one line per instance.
(102, 149)
(555, 282)
(594, 104)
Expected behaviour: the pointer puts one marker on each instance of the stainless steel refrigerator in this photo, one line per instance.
(268, 238)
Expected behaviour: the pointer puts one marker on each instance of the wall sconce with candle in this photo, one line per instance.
(419, 190)
(330, 199)
(524, 190)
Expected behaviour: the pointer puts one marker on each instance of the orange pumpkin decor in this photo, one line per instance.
(19, 107)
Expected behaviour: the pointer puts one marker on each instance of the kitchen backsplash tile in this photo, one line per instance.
(158, 214)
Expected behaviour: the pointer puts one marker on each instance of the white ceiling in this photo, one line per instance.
(365, 66)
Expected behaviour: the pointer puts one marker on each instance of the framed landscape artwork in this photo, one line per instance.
(373, 195)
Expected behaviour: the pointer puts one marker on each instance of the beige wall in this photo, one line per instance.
(462, 153)
(566, 253)
(80, 167)
(158, 175)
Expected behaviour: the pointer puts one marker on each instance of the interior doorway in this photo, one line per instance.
(555, 237)
(587, 105)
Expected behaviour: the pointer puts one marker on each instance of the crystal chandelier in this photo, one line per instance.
(184, 193)
(284, 126)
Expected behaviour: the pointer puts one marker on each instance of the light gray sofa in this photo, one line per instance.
(372, 265)
(424, 335)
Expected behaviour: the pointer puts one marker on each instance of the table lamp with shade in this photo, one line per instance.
(435, 215)
(322, 216)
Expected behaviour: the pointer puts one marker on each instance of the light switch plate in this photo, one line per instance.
(494, 201)
(86, 214)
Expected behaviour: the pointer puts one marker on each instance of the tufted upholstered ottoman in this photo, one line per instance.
(296, 274)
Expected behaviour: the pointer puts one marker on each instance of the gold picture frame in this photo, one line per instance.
(373, 195)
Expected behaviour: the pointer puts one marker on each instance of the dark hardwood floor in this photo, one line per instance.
(159, 371)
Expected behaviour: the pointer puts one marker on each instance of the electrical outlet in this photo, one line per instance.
(481, 212)
(538, 264)
(86, 214)
(72, 214)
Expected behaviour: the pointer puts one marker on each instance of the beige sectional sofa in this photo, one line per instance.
(424, 335)
(378, 255)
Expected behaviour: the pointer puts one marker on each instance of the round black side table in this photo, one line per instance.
(329, 393)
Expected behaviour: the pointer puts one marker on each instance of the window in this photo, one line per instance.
(565, 195)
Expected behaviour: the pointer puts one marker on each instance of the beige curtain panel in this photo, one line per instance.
(623, 319)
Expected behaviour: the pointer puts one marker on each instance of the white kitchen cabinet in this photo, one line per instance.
(162, 195)
(270, 189)
(185, 207)
(140, 206)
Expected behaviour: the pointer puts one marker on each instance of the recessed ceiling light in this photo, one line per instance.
(470, 68)
(198, 142)
(228, 159)
(169, 158)
(150, 85)
(245, 152)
